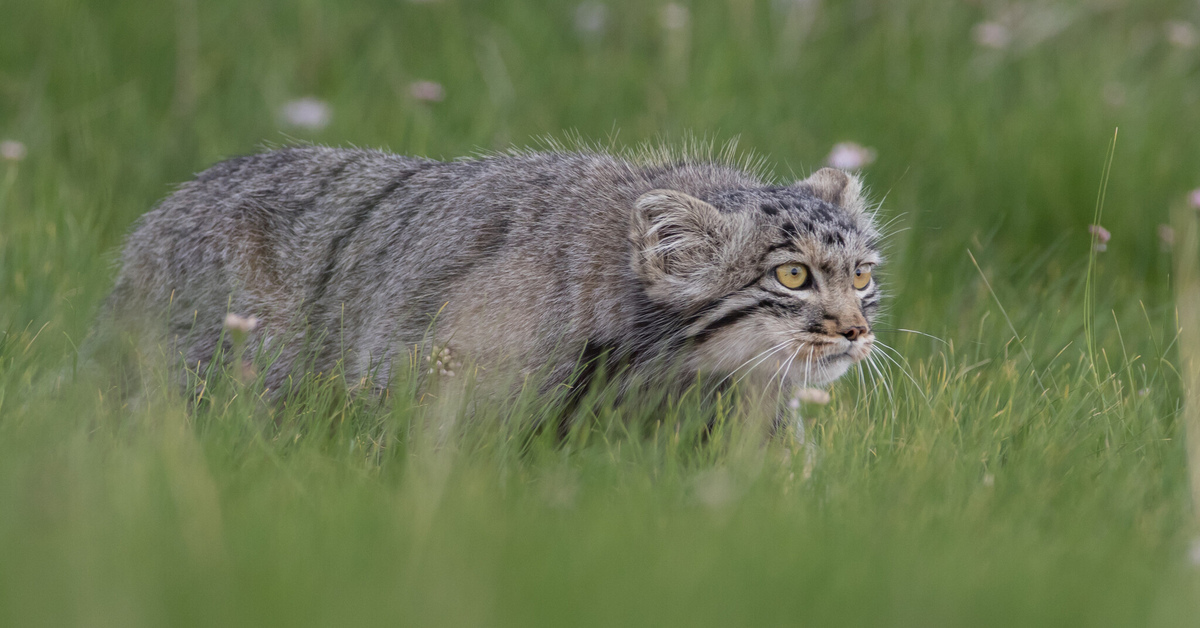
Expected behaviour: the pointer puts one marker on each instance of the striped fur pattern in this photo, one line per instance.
(351, 258)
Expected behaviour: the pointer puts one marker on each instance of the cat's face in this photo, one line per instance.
(775, 282)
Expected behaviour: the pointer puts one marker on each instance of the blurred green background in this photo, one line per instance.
(1026, 469)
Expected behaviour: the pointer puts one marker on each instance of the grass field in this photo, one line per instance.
(1027, 467)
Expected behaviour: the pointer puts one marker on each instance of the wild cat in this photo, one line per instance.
(532, 262)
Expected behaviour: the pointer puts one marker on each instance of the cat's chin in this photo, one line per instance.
(831, 368)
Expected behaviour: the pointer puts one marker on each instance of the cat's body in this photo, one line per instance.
(525, 262)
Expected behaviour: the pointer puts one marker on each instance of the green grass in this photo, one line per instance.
(1007, 479)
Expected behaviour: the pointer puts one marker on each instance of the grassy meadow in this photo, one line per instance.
(1025, 466)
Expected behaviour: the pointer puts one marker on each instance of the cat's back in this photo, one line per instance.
(309, 189)
(292, 189)
(325, 234)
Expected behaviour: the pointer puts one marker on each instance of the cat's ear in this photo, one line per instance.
(679, 244)
(838, 187)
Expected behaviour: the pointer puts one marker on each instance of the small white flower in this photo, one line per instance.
(12, 150)
(591, 18)
(675, 17)
(307, 113)
(811, 395)
(992, 35)
(1194, 198)
(850, 156)
(243, 324)
(1181, 34)
(427, 91)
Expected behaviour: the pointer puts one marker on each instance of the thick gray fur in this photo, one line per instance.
(351, 258)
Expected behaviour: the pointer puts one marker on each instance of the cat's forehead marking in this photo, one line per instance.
(818, 225)
(830, 259)
(798, 209)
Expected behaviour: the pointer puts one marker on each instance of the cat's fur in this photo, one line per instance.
(526, 261)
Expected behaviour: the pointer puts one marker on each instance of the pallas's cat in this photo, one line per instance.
(529, 262)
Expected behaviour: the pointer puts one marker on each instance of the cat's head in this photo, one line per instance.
(767, 279)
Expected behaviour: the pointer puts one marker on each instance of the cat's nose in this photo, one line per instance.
(853, 333)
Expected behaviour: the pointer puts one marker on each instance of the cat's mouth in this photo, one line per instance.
(829, 358)
(834, 350)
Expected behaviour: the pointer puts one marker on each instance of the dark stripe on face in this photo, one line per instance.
(708, 308)
(752, 282)
(733, 316)
(728, 319)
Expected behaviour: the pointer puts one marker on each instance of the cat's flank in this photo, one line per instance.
(526, 263)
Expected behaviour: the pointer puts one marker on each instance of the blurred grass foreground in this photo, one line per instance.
(1026, 467)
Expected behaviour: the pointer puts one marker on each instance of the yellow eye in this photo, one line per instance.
(862, 276)
(792, 276)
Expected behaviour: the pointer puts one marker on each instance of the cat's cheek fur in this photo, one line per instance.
(729, 352)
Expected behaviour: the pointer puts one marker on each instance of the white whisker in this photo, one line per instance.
(808, 365)
(751, 369)
(791, 360)
(887, 388)
(785, 363)
(903, 370)
(913, 331)
(757, 359)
